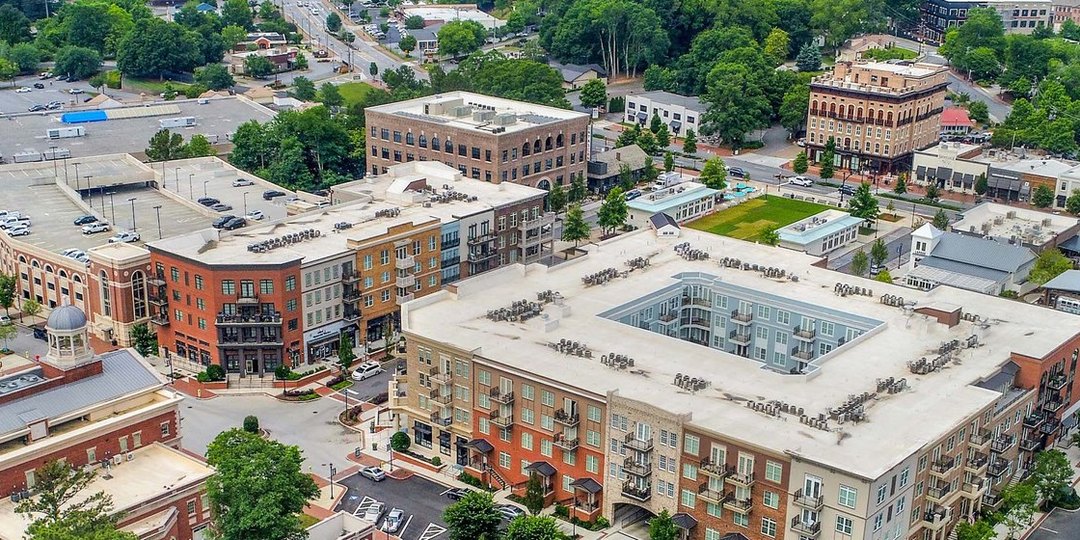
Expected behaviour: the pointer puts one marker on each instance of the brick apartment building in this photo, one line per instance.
(111, 412)
(485, 138)
(877, 113)
(709, 391)
(1017, 16)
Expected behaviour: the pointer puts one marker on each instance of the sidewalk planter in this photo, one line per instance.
(302, 381)
(417, 461)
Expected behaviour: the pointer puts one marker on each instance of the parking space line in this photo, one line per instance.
(1048, 530)
(401, 533)
(365, 503)
(431, 531)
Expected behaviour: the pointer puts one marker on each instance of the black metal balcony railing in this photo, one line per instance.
(688, 300)
(745, 479)
(808, 501)
(802, 354)
(1034, 420)
(450, 244)
(804, 333)
(350, 295)
(1057, 381)
(997, 467)
(567, 419)
(160, 319)
(566, 443)
(1053, 405)
(351, 276)
(498, 396)
(637, 468)
(248, 319)
(352, 315)
(1001, 443)
(736, 336)
(802, 527)
(980, 438)
(718, 470)
(1031, 444)
(251, 341)
(744, 317)
(977, 461)
(638, 493)
(633, 443)
(944, 465)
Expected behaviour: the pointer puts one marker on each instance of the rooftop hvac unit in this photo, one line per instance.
(483, 116)
(505, 119)
(1011, 214)
(129, 456)
(1046, 222)
(461, 111)
(986, 228)
(183, 121)
(117, 459)
(26, 157)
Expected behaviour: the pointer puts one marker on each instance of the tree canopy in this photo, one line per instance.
(457, 38)
(473, 517)
(1050, 264)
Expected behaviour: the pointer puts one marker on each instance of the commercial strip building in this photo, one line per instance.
(680, 113)
(684, 202)
(284, 293)
(747, 393)
(877, 113)
(1019, 226)
(1063, 292)
(821, 233)
(111, 412)
(486, 138)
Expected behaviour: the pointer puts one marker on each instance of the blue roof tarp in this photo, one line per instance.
(83, 117)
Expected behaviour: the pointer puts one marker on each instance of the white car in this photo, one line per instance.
(374, 512)
(94, 228)
(76, 91)
(124, 236)
(5, 320)
(241, 182)
(254, 215)
(18, 231)
(73, 253)
(801, 181)
(394, 520)
(367, 370)
(23, 90)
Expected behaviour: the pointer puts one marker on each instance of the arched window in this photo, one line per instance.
(77, 278)
(813, 106)
(106, 300)
(832, 108)
(48, 269)
(548, 144)
(22, 259)
(435, 143)
(525, 149)
(860, 113)
(448, 147)
(34, 263)
(850, 111)
(537, 148)
(63, 273)
(880, 115)
(138, 294)
(559, 141)
(423, 141)
(889, 117)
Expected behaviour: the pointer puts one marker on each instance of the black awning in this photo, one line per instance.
(444, 436)
(684, 521)
(587, 484)
(542, 468)
(969, 180)
(944, 173)
(920, 171)
(422, 427)
(675, 124)
(642, 116)
(480, 445)
(931, 172)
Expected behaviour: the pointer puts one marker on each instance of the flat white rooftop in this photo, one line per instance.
(453, 12)
(1001, 221)
(897, 425)
(462, 110)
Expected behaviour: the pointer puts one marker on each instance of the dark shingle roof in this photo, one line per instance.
(982, 252)
(660, 219)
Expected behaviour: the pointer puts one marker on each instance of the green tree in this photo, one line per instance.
(346, 356)
(333, 22)
(1050, 263)
(628, 136)
(714, 174)
(301, 62)
(828, 160)
(8, 70)
(690, 142)
(373, 69)
(978, 111)
(26, 56)
(863, 204)
(215, 77)
(198, 146)
(800, 165)
(400, 441)
(165, 145)
(649, 172)
(1043, 196)
(669, 162)
(578, 189)
(980, 530)
(647, 142)
(237, 13)
(14, 26)
(901, 186)
(8, 331)
(31, 308)
(473, 517)
(777, 46)
(593, 94)
(407, 44)
(457, 38)
(621, 35)
(884, 276)
(613, 211)
(1018, 502)
(663, 138)
(77, 62)
(878, 252)
(941, 220)
(809, 58)
(251, 424)
(1052, 475)
(154, 47)
(258, 66)
(1072, 204)
(793, 107)
(303, 89)
(736, 102)
(662, 527)
(8, 286)
(258, 488)
(556, 198)
(770, 236)
(655, 122)
(575, 229)
(981, 184)
(232, 35)
(144, 339)
(534, 494)
(534, 528)
(860, 263)
(330, 96)
(59, 512)
(414, 22)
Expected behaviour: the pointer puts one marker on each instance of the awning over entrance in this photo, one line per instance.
(734, 536)
(480, 445)
(684, 521)
(675, 124)
(542, 468)
(588, 485)
(642, 116)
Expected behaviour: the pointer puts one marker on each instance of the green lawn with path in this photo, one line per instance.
(354, 92)
(748, 220)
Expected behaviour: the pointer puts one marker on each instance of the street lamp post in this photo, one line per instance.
(332, 471)
(191, 190)
(132, 201)
(157, 210)
(245, 202)
(76, 164)
(112, 207)
(176, 174)
(204, 187)
(54, 173)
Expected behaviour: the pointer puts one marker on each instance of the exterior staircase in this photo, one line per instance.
(498, 477)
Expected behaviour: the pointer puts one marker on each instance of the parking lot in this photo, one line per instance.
(193, 179)
(1059, 525)
(422, 500)
(15, 102)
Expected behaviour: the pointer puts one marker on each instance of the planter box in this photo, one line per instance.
(302, 381)
(418, 462)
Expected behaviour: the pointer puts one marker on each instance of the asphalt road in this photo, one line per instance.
(1059, 525)
(422, 500)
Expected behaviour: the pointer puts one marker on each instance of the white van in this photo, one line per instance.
(367, 370)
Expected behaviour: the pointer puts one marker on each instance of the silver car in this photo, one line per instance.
(374, 512)
(394, 520)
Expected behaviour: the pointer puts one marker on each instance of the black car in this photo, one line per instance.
(208, 201)
(737, 171)
(85, 220)
(220, 222)
(847, 190)
(235, 223)
(272, 194)
(457, 493)
(321, 193)
(39, 333)
(36, 108)
(39, 86)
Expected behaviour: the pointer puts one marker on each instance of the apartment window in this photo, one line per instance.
(712, 534)
(848, 496)
(528, 416)
(266, 286)
(741, 520)
(547, 422)
(228, 287)
(688, 498)
(593, 413)
(904, 474)
(844, 525)
(773, 471)
(878, 520)
(526, 440)
(592, 464)
(592, 438)
(290, 283)
(504, 460)
(768, 527)
(547, 398)
(91, 455)
(771, 499)
(545, 447)
(691, 444)
(881, 492)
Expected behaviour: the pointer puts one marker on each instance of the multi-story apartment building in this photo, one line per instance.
(878, 114)
(285, 292)
(110, 412)
(1017, 16)
(753, 394)
(680, 113)
(486, 138)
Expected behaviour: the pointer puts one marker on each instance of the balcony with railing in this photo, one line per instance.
(352, 314)
(568, 444)
(715, 470)
(350, 295)
(805, 355)
(1053, 405)
(808, 501)
(804, 334)
(739, 506)
(942, 467)
(479, 256)
(567, 419)
(688, 300)
(976, 464)
(247, 299)
(1034, 420)
(406, 281)
(638, 445)
(499, 396)
(706, 492)
(633, 467)
(997, 467)
(739, 337)
(936, 518)
(159, 298)
(1051, 426)
(937, 492)
(160, 319)
(157, 278)
(258, 340)
(1001, 443)
(351, 276)
(1031, 444)
(974, 489)
(742, 317)
(981, 438)
(638, 493)
(440, 397)
(407, 262)
(440, 420)
(805, 528)
(248, 319)
(1057, 381)
(402, 298)
(503, 420)
(991, 499)
(743, 479)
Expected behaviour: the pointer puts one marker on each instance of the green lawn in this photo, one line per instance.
(748, 220)
(354, 92)
(151, 87)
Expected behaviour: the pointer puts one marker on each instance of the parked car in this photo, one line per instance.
(633, 194)
(124, 236)
(254, 215)
(394, 520)
(12, 222)
(241, 182)
(235, 223)
(18, 231)
(374, 512)
(94, 228)
(74, 253)
(207, 201)
(221, 221)
(271, 194)
(220, 207)
(374, 474)
(35, 108)
(457, 494)
(85, 220)
(323, 204)
(40, 333)
(367, 370)
(737, 171)
(39, 86)
(801, 181)
(846, 190)
(53, 105)
(509, 511)
(5, 320)
(22, 90)
(76, 91)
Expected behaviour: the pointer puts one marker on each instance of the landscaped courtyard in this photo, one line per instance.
(747, 221)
